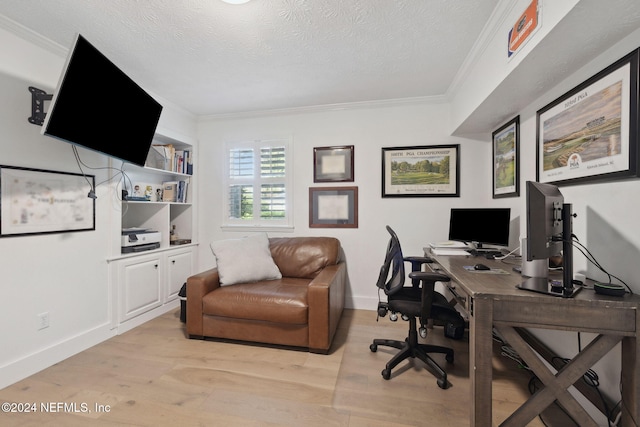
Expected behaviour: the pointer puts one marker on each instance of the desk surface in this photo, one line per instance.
(493, 301)
(480, 284)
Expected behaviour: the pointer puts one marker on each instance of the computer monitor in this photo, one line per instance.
(544, 220)
(549, 233)
(480, 226)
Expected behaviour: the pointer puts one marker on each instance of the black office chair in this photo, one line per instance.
(414, 302)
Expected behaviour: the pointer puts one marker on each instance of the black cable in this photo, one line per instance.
(593, 260)
(120, 173)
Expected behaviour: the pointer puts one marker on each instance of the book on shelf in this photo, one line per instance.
(167, 157)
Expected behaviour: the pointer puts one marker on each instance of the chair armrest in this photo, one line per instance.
(428, 280)
(198, 286)
(326, 303)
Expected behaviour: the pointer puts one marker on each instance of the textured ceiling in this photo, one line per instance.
(210, 57)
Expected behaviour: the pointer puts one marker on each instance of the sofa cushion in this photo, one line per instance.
(304, 257)
(279, 301)
(244, 260)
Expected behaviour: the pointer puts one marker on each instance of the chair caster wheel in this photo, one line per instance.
(373, 348)
(449, 357)
(386, 374)
(442, 384)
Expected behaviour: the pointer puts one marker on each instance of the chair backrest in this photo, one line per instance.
(392, 274)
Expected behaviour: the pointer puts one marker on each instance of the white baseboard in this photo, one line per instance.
(43, 358)
(46, 357)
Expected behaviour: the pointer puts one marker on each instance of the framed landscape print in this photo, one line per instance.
(590, 132)
(506, 164)
(424, 171)
(333, 164)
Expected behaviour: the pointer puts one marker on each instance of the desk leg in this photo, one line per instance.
(480, 361)
(631, 378)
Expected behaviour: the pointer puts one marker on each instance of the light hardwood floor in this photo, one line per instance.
(154, 376)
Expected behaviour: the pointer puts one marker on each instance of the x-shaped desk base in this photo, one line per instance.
(555, 385)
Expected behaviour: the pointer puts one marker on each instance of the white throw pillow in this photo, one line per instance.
(245, 260)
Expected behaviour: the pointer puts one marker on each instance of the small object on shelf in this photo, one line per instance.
(178, 242)
(169, 191)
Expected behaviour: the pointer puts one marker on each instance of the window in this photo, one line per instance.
(258, 187)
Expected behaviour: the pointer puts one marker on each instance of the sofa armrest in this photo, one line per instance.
(198, 286)
(326, 303)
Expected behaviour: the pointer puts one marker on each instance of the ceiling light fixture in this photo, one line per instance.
(235, 1)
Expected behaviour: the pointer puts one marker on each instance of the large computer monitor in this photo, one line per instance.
(549, 233)
(480, 226)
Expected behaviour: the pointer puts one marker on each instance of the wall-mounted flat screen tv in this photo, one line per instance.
(97, 106)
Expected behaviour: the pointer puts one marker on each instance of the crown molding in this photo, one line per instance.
(439, 99)
(32, 36)
(495, 23)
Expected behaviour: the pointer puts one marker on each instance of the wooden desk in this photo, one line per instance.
(492, 301)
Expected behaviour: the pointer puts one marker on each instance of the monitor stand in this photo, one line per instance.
(548, 286)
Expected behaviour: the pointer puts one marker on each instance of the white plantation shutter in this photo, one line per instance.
(258, 188)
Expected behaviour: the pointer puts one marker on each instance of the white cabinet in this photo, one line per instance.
(179, 267)
(145, 284)
(140, 280)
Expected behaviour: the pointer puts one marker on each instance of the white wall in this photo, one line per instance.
(63, 274)
(417, 221)
(606, 219)
(606, 222)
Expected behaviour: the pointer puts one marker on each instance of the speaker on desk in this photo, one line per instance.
(535, 268)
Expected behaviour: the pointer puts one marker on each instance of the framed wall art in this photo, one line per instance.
(333, 164)
(590, 132)
(422, 171)
(506, 159)
(36, 201)
(333, 207)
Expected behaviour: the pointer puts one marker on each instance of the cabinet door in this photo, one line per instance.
(140, 281)
(179, 267)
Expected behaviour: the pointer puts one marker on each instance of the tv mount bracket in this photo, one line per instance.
(38, 96)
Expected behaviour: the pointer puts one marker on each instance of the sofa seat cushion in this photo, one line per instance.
(280, 301)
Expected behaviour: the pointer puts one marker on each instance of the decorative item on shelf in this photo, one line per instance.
(169, 191)
(174, 238)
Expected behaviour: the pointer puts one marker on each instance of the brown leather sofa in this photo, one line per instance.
(302, 309)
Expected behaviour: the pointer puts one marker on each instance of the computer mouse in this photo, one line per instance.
(481, 267)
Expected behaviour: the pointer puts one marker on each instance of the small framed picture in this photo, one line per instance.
(333, 164)
(333, 207)
(506, 163)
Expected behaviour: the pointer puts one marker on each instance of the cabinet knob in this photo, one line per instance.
(155, 265)
(173, 261)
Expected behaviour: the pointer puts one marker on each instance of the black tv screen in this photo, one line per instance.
(488, 226)
(97, 106)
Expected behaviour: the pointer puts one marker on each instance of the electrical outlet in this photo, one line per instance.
(43, 320)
